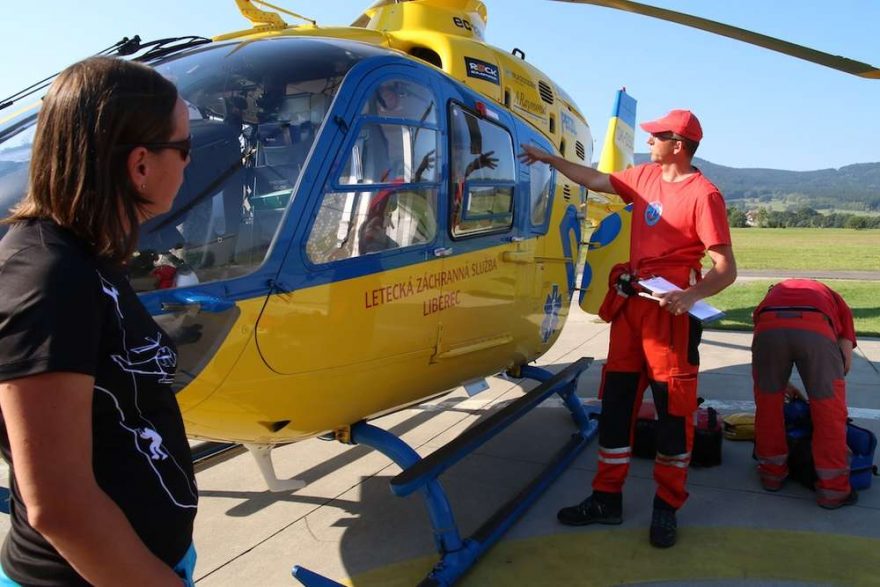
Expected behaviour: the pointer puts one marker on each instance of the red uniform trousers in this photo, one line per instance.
(649, 345)
(784, 338)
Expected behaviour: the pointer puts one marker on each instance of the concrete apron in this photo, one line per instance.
(347, 525)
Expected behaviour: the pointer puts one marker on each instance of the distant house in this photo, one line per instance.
(752, 218)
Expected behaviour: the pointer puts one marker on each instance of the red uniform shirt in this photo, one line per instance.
(164, 275)
(811, 294)
(673, 223)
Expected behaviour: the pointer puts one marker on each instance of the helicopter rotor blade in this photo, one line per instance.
(833, 61)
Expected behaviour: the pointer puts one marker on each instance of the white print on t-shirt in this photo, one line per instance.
(174, 493)
(152, 359)
(158, 360)
(111, 291)
(157, 453)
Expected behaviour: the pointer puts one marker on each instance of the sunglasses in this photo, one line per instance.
(667, 137)
(184, 147)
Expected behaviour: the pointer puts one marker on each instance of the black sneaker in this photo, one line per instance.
(664, 528)
(590, 511)
(851, 499)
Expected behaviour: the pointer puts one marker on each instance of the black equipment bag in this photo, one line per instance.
(708, 435)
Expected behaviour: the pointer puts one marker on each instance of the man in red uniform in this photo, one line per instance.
(677, 216)
(805, 323)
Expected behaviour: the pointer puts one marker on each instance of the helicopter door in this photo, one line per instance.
(375, 223)
(546, 286)
(477, 301)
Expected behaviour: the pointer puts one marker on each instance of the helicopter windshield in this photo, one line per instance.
(15, 157)
(255, 110)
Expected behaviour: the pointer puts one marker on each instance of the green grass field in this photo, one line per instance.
(804, 249)
(740, 300)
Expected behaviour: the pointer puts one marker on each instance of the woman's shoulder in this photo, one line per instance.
(40, 249)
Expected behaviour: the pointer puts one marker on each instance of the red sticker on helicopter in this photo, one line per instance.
(482, 70)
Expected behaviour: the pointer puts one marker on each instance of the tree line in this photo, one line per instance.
(801, 217)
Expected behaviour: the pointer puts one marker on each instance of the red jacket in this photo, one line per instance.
(796, 293)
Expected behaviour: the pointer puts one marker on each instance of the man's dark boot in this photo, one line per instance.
(664, 527)
(599, 508)
(851, 499)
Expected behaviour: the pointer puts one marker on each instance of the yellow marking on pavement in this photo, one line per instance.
(614, 557)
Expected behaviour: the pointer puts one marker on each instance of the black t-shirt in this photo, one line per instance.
(64, 309)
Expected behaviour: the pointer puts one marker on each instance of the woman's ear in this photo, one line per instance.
(138, 168)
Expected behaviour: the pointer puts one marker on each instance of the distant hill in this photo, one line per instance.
(853, 187)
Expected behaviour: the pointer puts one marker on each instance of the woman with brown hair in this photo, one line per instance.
(102, 485)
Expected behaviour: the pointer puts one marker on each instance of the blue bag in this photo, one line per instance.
(862, 444)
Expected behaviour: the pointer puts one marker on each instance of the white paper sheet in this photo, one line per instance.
(701, 310)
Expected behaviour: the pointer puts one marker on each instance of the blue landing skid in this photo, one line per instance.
(457, 555)
(312, 579)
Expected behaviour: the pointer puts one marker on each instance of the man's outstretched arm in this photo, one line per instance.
(585, 176)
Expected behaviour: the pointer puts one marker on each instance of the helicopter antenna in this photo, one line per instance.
(265, 19)
(833, 61)
(124, 46)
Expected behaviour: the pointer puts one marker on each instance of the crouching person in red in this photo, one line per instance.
(805, 323)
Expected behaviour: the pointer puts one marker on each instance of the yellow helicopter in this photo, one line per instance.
(355, 233)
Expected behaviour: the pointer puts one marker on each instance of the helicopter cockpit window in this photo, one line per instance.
(393, 162)
(15, 158)
(402, 99)
(482, 174)
(391, 153)
(255, 113)
(540, 175)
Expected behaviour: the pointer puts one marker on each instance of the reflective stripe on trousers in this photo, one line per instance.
(681, 461)
(615, 456)
(830, 496)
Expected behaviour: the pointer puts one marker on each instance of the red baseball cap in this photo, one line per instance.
(681, 122)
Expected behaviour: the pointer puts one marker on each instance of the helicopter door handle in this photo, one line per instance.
(443, 252)
(518, 256)
(196, 303)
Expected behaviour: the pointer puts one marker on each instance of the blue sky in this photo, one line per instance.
(758, 108)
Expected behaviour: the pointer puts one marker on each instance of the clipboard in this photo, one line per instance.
(701, 310)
